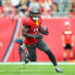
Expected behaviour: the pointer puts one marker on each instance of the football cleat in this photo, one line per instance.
(26, 57)
(23, 46)
(58, 70)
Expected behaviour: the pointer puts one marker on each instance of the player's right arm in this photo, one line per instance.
(24, 32)
(63, 40)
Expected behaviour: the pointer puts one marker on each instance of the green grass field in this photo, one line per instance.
(20, 69)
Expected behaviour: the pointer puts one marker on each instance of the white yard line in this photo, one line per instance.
(18, 70)
(35, 63)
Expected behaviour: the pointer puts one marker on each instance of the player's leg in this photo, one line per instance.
(71, 52)
(68, 47)
(65, 50)
(20, 51)
(65, 55)
(44, 47)
(32, 53)
(23, 54)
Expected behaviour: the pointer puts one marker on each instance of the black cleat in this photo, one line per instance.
(58, 70)
(26, 57)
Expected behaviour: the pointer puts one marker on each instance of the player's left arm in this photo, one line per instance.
(63, 40)
(72, 44)
(43, 30)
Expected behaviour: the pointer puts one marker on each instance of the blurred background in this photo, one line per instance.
(55, 14)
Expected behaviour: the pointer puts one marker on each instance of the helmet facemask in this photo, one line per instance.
(34, 13)
(35, 17)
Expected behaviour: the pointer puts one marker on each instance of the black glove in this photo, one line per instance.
(38, 36)
(46, 32)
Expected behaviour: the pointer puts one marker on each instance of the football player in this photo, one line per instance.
(33, 31)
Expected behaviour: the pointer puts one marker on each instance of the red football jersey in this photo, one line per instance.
(33, 29)
(67, 36)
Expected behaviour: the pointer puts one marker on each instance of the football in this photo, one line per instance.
(43, 28)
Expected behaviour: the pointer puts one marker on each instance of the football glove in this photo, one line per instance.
(38, 36)
(46, 32)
